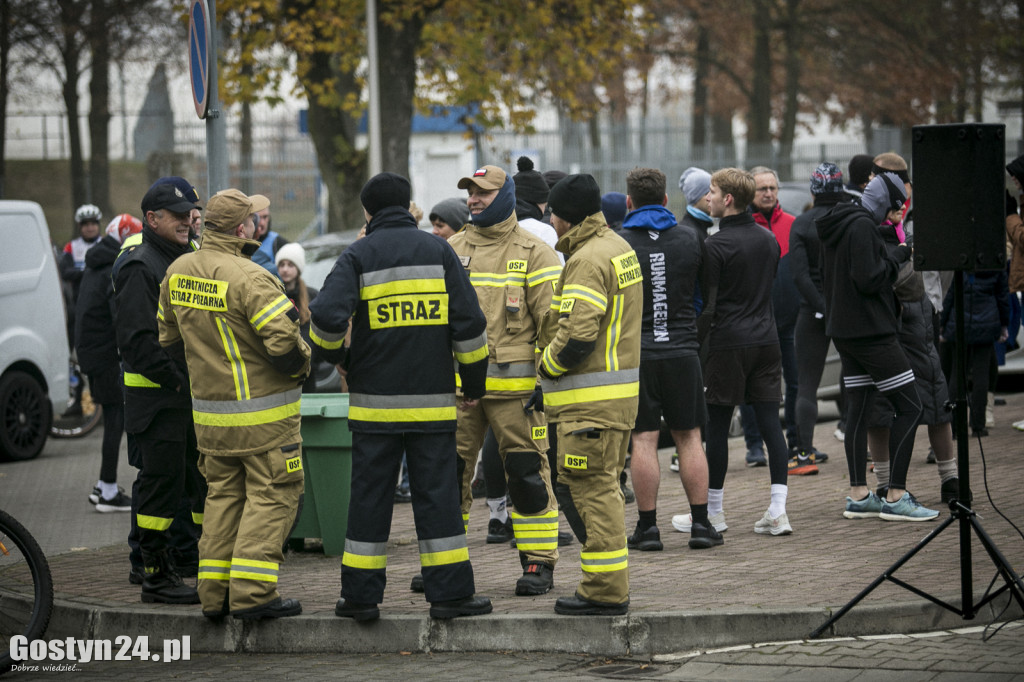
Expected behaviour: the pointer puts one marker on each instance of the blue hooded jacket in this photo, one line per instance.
(650, 217)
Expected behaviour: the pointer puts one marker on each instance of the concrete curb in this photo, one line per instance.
(639, 634)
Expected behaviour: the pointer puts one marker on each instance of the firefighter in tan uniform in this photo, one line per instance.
(590, 375)
(247, 362)
(513, 273)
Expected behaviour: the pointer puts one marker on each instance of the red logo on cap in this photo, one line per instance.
(480, 172)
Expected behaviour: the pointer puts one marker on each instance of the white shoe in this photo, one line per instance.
(777, 526)
(684, 522)
(840, 435)
(674, 463)
(1019, 425)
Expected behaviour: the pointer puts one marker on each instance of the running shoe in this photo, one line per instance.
(119, 503)
(906, 509)
(684, 522)
(803, 465)
(645, 541)
(777, 526)
(951, 491)
(868, 508)
(703, 537)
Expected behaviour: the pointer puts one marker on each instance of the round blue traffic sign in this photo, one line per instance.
(199, 55)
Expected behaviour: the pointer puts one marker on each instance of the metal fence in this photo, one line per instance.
(283, 163)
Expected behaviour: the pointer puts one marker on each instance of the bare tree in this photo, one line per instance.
(55, 40)
(115, 29)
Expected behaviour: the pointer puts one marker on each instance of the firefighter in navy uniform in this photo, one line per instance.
(590, 376)
(183, 534)
(411, 307)
(513, 273)
(158, 410)
(243, 346)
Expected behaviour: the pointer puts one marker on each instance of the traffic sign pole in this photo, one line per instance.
(204, 42)
(216, 123)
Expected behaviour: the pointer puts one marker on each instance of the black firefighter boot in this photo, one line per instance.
(162, 582)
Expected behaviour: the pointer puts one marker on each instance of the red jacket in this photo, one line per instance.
(779, 226)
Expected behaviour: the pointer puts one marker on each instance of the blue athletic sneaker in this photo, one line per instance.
(868, 508)
(906, 509)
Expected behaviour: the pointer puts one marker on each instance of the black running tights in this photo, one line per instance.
(767, 415)
(907, 408)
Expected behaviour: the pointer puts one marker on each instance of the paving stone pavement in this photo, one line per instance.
(680, 598)
(825, 562)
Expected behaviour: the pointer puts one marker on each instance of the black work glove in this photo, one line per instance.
(536, 401)
(1011, 204)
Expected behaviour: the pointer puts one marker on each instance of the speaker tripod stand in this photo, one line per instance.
(960, 511)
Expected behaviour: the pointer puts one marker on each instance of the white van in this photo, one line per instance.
(33, 336)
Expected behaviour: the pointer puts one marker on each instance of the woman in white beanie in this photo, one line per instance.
(291, 261)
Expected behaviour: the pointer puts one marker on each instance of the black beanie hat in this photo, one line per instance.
(1016, 168)
(530, 184)
(860, 169)
(552, 177)
(384, 190)
(575, 197)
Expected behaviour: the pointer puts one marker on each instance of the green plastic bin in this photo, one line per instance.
(327, 467)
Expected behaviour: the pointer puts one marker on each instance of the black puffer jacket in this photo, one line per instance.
(95, 340)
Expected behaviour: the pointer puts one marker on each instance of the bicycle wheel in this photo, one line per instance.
(26, 587)
(83, 413)
(78, 425)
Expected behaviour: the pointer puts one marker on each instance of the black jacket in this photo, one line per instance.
(857, 274)
(155, 377)
(742, 259)
(412, 307)
(805, 254)
(671, 260)
(95, 341)
(700, 226)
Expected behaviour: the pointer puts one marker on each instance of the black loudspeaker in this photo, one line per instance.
(959, 197)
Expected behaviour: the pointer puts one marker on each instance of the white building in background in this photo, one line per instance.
(442, 149)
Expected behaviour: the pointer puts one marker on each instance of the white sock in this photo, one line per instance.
(778, 506)
(108, 491)
(498, 509)
(947, 470)
(715, 501)
(882, 473)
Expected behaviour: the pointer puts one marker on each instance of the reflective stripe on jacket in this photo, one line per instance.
(591, 333)
(413, 311)
(155, 377)
(513, 273)
(245, 355)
